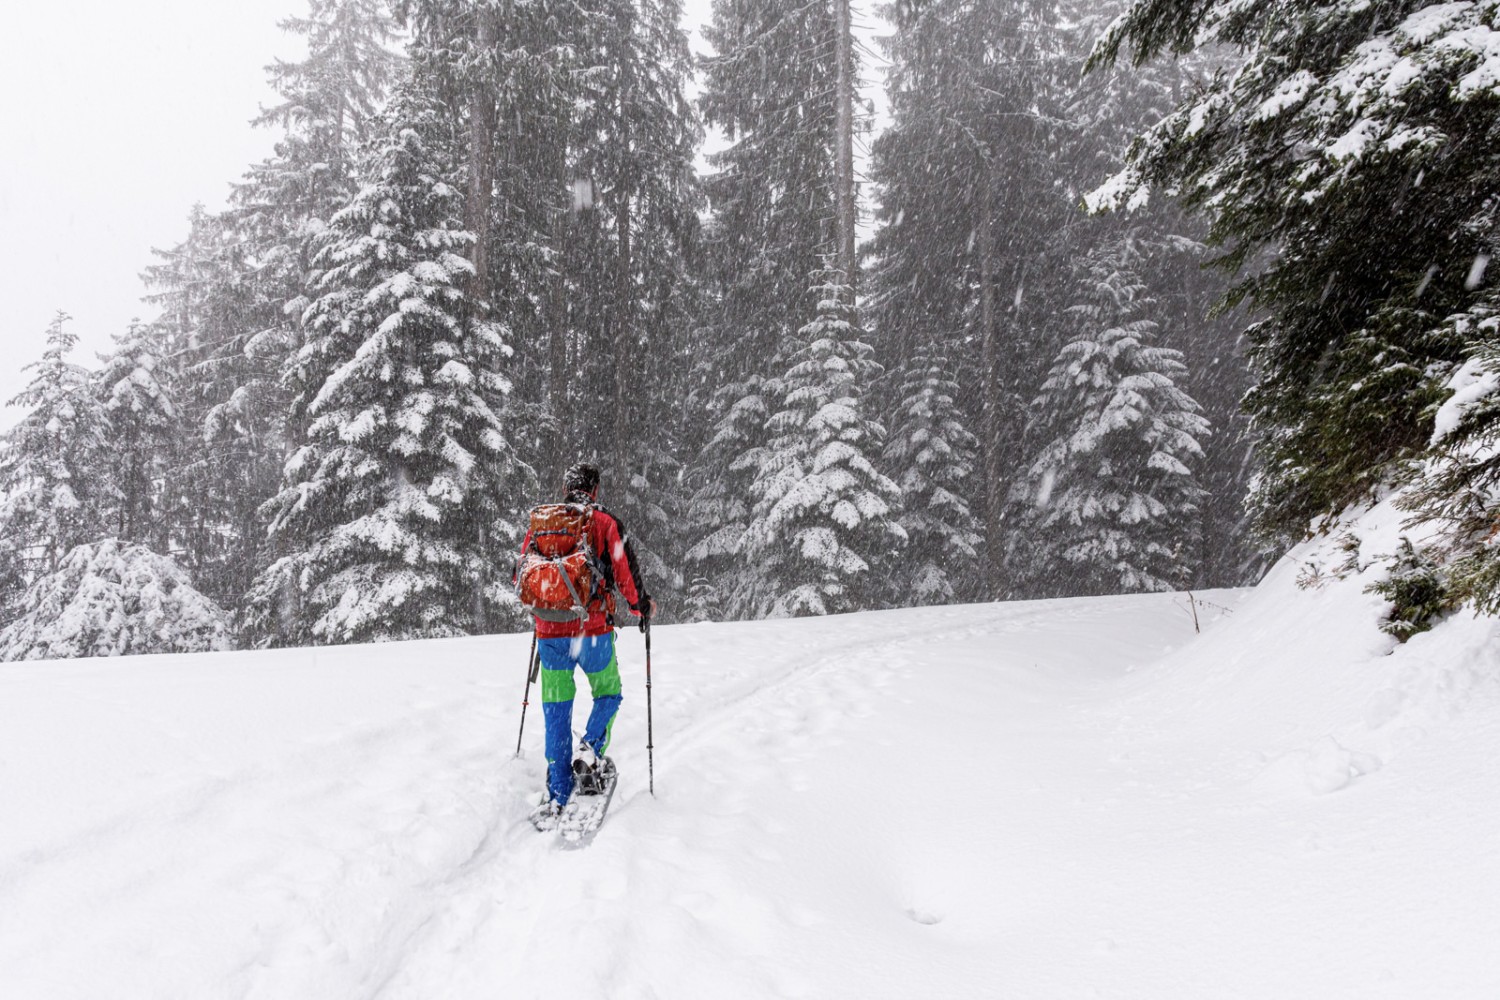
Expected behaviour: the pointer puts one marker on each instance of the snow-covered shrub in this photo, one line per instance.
(108, 598)
(1417, 591)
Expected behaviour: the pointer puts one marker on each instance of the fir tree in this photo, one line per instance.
(931, 456)
(771, 88)
(1112, 497)
(393, 520)
(327, 107)
(824, 517)
(228, 444)
(54, 494)
(1351, 142)
(975, 210)
(631, 298)
(143, 420)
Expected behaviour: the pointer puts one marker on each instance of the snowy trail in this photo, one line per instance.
(1052, 799)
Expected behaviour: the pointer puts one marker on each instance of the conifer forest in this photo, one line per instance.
(1106, 296)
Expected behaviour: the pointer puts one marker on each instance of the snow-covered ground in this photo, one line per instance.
(1054, 799)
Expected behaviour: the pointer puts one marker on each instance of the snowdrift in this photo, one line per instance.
(1049, 799)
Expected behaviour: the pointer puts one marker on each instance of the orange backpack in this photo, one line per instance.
(558, 576)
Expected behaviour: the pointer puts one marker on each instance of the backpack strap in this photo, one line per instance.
(579, 605)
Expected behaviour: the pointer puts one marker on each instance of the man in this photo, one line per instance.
(588, 643)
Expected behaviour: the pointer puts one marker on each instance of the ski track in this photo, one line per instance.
(763, 730)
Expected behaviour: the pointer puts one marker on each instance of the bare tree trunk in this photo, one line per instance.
(481, 165)
(557, 349)
(624, 287)
(989, 357)
(844, 151)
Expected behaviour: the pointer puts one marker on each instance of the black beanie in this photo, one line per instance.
(583, 477)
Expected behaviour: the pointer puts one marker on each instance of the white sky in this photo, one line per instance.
(117, 118)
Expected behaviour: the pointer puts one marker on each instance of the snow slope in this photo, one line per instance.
(1053, 799)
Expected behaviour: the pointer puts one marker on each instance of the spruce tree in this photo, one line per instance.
(227, 447)
(394, 521)
(932, 456)
(50, 469)
(1110, 503)
(975, 209)
(326, 109)
(1351, 142)
(632, 296)
(771, 88)
(135, 395)
(824, 517)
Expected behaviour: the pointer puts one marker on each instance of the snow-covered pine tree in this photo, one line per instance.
(395, 519)
(143, 420)
(109, 598)
(227, 449)
(824, 517)
(771, 88)
(54, 495)
(326, 110)
(1110, 502)
(631, 294)
(1352, 142)
(328, 102)
(975, 213)
(509, 76)
(931, 456)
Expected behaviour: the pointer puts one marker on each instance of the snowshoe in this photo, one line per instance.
(546, 816)
(584, 815)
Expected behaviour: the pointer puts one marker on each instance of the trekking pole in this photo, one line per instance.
(531, 665)
(650, 749)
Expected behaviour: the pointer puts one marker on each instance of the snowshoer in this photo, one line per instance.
(582, 634)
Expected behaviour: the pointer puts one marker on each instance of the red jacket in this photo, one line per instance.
(612, 545)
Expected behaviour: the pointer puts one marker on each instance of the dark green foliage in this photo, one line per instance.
(1459, 487)
(1345, 171)
(1419, 593)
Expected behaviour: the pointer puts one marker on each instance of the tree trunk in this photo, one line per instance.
(557, 352)
(989, 357)
(844, 149)
(481, 165)
(624, 420)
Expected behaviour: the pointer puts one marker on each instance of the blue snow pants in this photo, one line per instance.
(596, 655)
